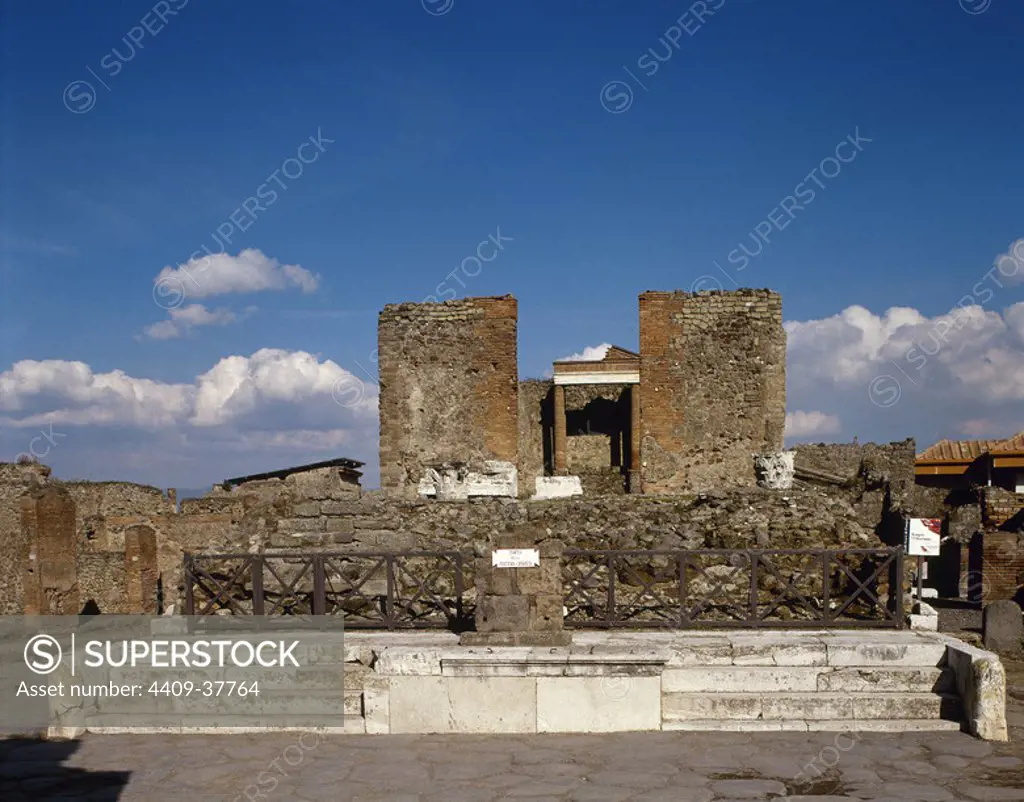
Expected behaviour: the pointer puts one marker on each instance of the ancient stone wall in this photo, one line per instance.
(713, 387)
(271, 515)
(877, 462)
(535, 432)
(104, 511)
(448, 386)
(16, 482)
(738, 518)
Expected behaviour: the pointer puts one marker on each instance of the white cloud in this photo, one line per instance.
(185, 318)
(902, 372)
(261, 397)
(588, 354)
(240, 387)
(221, 273)
(1010, 265)
(805, 424)
(966, 349)
(55, 391)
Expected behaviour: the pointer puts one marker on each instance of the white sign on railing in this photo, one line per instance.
(515, 558)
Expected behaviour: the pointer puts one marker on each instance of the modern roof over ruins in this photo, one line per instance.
(958, 455)
(348, 466)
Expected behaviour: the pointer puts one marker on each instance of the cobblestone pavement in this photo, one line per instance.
(628, 766)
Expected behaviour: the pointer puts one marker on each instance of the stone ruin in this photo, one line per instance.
(690, 425)
(704, 395)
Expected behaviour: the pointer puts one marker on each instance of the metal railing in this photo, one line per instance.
(734, 588)
(382, 590)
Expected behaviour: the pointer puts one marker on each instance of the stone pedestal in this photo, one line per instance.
(519, 606)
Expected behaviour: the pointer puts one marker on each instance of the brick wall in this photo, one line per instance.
(1002, 508)
(16, 482)
(1002, 571)
(1003, 545)
(448, 386)
(712, 387)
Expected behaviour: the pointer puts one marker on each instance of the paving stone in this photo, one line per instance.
(963, 745)
(551, 787)
(917, 767)
(677, 794)
(598, 793)
(1003, 762)
(749, 789)
(988, 793)
(816, 798)
(628, 779)
(919, 792)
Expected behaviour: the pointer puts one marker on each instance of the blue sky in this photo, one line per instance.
(615, 146)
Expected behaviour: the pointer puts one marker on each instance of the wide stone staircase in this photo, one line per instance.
(833, 680)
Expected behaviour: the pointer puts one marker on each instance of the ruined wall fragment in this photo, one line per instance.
(448, 387)
(713, 387)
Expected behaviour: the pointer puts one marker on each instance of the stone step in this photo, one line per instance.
(797, 725)
(834, 648)
(809, 706)
(295, 703)
(773, 679)
(228, 725)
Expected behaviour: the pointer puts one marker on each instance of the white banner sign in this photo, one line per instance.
(515, 558)
(923, 536)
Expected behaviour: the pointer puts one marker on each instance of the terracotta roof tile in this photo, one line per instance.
(1013, 445)
(957, 450)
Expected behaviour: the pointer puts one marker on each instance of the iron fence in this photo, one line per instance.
(385, 590)
(734, 588)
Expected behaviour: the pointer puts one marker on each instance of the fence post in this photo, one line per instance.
(609, 613)
(458, 587)
(389, 603)
(683, 616)
(190, 598)
(319, 590)
(897, 588)
(256, 569)
(826, 563)
(753, 557)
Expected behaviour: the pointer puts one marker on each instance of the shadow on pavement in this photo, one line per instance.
(31, 769)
